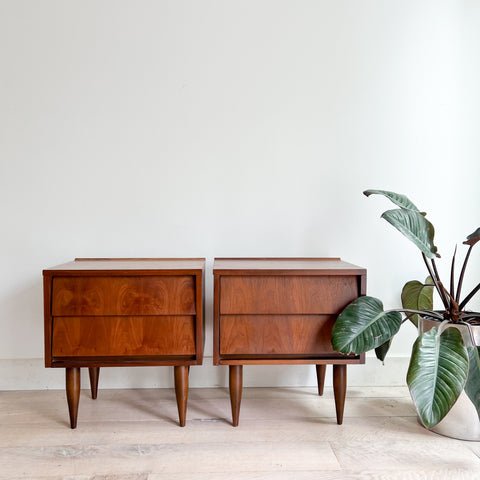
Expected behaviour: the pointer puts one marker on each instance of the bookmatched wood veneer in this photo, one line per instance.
(281, 311)
(124, 312)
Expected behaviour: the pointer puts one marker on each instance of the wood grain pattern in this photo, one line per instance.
(277, 294)
(124, 312)
(285, 434)
(276, 335)
(271, 311)
(117, 336)
(147, 295)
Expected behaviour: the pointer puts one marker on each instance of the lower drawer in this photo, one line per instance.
(118, 336)
(277, 335)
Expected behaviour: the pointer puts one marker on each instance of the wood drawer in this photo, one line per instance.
(262, 335)
(286, 294)
(119, 336)
(123, 295)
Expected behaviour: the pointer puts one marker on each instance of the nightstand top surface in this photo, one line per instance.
(330, 266)
(130, 265)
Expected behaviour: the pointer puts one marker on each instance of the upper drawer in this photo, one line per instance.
(145, 295)
(286, 294)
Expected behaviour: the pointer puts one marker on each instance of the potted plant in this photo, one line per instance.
(445, 362)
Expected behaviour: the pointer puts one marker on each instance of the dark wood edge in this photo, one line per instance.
(47, 312)
(157, 361)
(292, 272)
(363, 284)
(314, 356)
(122, 273)
(216, 319)
(291, 361)
(276, 258)
(199, 316)
(186, 259)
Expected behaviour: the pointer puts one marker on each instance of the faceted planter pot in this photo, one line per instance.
(462, 421)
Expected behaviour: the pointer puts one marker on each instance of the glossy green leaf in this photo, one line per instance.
(382, 350)
(472, 387)
(417, 296)
(437, 373)
(397, 198)
(363, 326)
(415, 227)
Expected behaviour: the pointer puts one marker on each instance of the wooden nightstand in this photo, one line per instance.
(282, 311)
(124, 312)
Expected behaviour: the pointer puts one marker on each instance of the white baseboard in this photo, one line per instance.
(30, 374)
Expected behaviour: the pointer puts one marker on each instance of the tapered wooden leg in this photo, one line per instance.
(181, 391)
(235, 383)
(93, 373)
(73, 393)
(339, 389)
(321, 369)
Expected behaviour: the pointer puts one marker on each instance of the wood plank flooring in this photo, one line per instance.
(284, 434)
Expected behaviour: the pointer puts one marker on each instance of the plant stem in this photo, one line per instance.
(470, 315)
(452, 276)
(462, 274)
(434, 278)
(444, 297)
(424, 313)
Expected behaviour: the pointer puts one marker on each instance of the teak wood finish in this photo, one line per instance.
(270, 311)
(124, 312)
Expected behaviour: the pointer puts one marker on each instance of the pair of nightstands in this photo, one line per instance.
(150, 312)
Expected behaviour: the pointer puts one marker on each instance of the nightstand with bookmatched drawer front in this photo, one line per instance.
(282, 311)
(124, 312)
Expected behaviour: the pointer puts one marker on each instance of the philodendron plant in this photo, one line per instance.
(441, 365)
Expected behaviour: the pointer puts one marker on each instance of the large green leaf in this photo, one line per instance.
(472, 387)
(415, 227)
(382, 350)
(417, 296)
(396, 198)
(363, 325)
(437, 373)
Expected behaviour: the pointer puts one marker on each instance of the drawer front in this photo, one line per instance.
(119, 336)
(286, 294)
(145, 295)
(276, 335)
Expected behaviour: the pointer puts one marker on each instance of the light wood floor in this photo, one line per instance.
(284, 434)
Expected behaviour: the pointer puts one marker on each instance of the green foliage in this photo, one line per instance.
(472, 387)
(440, 366)
(437, 373)
(397, 198)
(382, 350)
(363, 325)
(415, 227)
(417, 296)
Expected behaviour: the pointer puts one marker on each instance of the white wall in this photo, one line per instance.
(229, 128)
